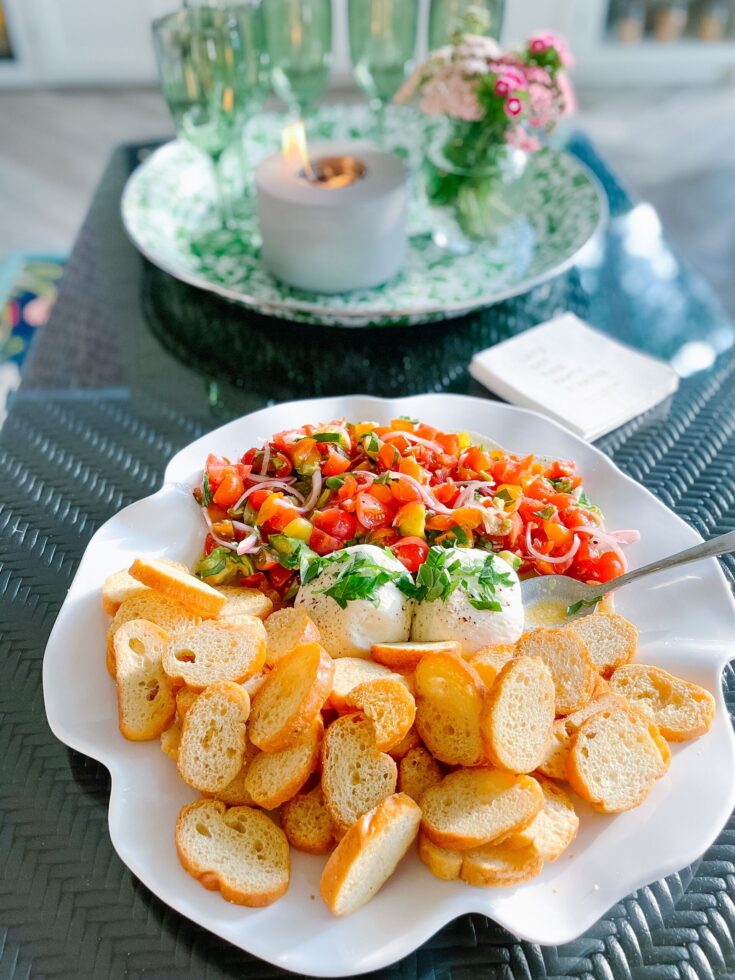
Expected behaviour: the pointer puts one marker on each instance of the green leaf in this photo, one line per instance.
(334, 482)
(223, 565)
(546, 514)
(576, 606)
(206, 491)
(327, 437)
(361, 578)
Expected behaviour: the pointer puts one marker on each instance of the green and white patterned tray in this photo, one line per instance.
(167, 209)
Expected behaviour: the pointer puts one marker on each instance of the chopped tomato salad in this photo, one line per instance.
(404, 486)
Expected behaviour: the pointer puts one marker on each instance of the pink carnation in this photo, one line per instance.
(451, 95)
(538, 43)
(513, 106)
(541, 106)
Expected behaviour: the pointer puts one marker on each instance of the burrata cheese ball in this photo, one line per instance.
(352, 630)
(455, 618)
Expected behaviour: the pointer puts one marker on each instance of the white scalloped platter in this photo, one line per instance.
(686, 620)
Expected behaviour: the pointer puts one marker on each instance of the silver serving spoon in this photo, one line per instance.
(574, 599)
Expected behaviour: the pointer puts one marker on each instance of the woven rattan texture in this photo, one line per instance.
(69, 908)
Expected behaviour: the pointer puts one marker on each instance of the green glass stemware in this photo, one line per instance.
(382, 44)
(299, 41)
(478, 16)
(200, 53)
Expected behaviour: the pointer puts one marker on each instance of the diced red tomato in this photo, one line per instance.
(230, 489)
(411, 552)
(388, 456)
(216, 467)
(279, 576)
(476, 460)
(335, 463)
(446, 493)
(323, 543)
(348, 488)
(280, 465)
(336, 522)
(255, 581)
(382, 537)
(209, 544)
(382, 492)
(403, 491)
(258, 497)
(372, 512)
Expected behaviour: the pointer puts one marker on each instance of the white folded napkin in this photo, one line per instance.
(573, 373)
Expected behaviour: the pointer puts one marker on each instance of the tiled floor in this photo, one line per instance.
(676, 149)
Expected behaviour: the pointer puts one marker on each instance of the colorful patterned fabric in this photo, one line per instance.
(28, 287)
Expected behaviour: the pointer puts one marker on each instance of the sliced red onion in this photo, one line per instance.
(467, 495)
(259, 478)
(624, 537)
(316, 489)
(269, 484)
(223, 542)
(266, 459)
(249, 544)
(428, 498)
(410, 437)
(605, 539)
(559, 559)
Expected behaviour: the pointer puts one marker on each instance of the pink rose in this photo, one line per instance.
(513, 106)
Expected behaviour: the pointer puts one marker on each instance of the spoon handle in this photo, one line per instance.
(720, 545)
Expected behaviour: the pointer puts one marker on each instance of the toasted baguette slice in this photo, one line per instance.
(553, 828)
(349, 672)
(615, 758)
(169, 615)
(405, 656)
(307, 824)
(287, 629)
(253, 684)
(234, 793)
(239, 852)
(554, 762)
(369, 853)
(241, 601)
(417, 771)
(145, 696)
(409, 741)
(500, 866)
(355, 775)
(471, 807)
(492, 865)
(565, 654)
(216, 651)
(171, 739)
(449, 698)
(681, 710)
(274, 777)
(390, 707)
(610, 639)
(442, 863)
(181, 586)
(489, 661)
(292, 695)
(117, 588)
(518, 714)
(185, 698)
(213, 739)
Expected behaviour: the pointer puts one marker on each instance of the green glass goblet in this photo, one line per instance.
(299, 42)
(446, 17)
(199, 55)
(382, 44)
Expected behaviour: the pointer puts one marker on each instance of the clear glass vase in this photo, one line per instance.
(474, 185)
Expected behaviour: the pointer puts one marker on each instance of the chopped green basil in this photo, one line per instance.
(361, 578)
(334, 482)
(443, 572)
(222, 565)
(294, 553)
(583, 499)
(460, 535)
(207, 496)
(576, 606)
(327, 437)
(562, 484)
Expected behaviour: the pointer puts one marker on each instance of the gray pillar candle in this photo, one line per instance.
(337, 225)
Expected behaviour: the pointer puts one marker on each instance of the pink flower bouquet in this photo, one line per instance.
(498, 106)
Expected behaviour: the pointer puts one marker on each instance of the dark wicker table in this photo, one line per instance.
(132, 366)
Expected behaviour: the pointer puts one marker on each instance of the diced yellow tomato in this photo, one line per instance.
(306, 456)
(362, 428)
(402, 425)
(410, 467)
(509, 495)
(388, 456)
(276, 510)
(299, 528)
(449, 537)
(468, 518)
(382, 492)
(557, 533)
(412, 520)
(464, 440)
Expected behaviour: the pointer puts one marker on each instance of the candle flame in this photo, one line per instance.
(294, 148)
